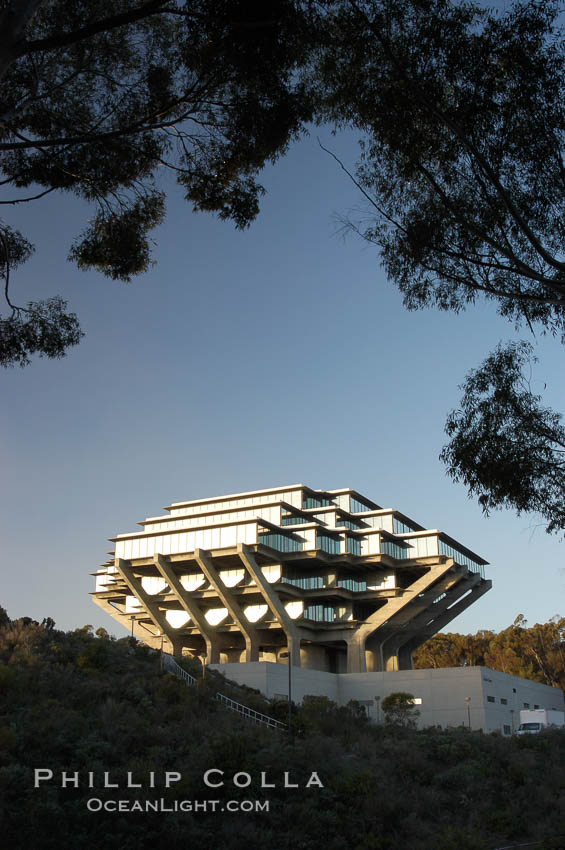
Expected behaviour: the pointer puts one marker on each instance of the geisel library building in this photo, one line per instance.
(329, 581)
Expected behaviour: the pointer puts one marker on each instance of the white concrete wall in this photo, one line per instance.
(518, 693)
(422, 547)
(383, 521)
(272, 679)
(223, 537)
(294, 497)
(442, 691)
(272, 513)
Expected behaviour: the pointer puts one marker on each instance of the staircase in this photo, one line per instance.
(250, 714)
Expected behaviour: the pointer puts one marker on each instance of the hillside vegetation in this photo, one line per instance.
(85, 702)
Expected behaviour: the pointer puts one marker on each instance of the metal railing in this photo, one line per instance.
(250, 713)
(171, 665)
(243, 710)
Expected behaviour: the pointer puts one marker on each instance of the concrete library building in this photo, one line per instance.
(325, 581)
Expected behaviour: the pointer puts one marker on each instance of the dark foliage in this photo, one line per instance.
(97, 97)
(79, 702)
(459, 109)
(463, 139)
(505, 446)
(43, 327)
(399, 710)
(536, 652)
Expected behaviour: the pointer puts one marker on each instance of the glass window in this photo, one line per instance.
(353, 545)
(280, 542)
(503, 701)
(358, 507)
(460, 558)
(328, 544)
(490, 699)
(361, 611)
(400, 527)
(355, 585)
(506, 729)
(294, 520)
(304, 582)
(348, 523)
(395, 550)
(320, 613)
(314, 502)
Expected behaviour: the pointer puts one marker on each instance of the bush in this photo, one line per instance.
(398, 709)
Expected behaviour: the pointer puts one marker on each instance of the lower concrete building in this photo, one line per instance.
(449, 696)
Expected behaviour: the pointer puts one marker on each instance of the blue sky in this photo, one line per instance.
(243, 361)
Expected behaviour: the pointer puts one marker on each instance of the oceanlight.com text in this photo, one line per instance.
(95, 804)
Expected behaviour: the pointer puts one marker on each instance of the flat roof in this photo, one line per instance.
(212, 499)
(359, 496)
(164, 518)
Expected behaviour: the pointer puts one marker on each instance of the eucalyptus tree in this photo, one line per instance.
(460, 114)
(506, 446)
(99, 96)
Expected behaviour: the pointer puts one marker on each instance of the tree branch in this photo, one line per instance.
(362, 190)
(89, 138)
(152, 7)
(451, 125)
(33, 198)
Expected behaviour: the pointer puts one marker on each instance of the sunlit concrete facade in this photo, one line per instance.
(330, 577)
(450, 696)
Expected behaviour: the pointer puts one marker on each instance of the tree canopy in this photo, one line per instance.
(460, 111)
(533, 652)
(459, 108)
(398, 709)
(505, 446)
(463, 131)
(96, 98)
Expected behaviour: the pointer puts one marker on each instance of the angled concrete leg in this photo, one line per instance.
(230, 601)
(190, 605)
(273, 601)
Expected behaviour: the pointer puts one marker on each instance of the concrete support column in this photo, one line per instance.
(176, 645)
(397, 651)
(356, 661)
(404, 655)
(271, 598)
(372, 658)
(212, 650)
(211, 638)
(149, 604)
(249, 632)
(293, 647)
(398, 610)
